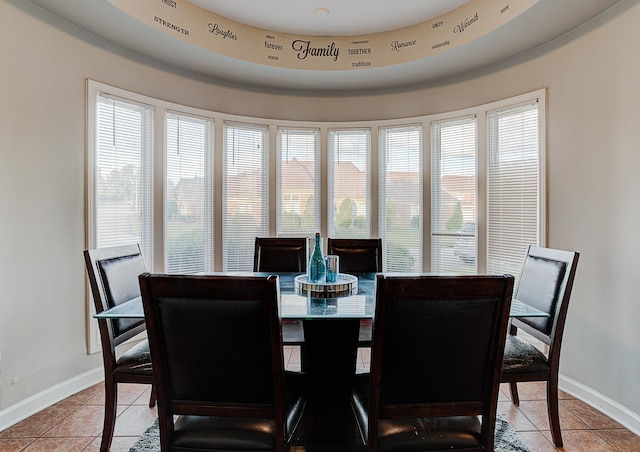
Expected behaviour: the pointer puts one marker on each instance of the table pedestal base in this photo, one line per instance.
(331, 347)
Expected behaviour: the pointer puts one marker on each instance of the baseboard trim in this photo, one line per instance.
(601, 403)
(48, 397)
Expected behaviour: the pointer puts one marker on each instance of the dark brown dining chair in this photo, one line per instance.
(437, 351)
(220, 387)
(283, 254)
(545, 283)
(113, 276)
(280, 254)
(358, 256)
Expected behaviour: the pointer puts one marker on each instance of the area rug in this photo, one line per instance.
(507, 440)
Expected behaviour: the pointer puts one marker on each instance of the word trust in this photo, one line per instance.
(304, 49)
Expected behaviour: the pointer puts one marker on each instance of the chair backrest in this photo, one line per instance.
(357, 255)
(113, 276)
(545, 283)
(437, 350)
(216, 346)
(280, 254)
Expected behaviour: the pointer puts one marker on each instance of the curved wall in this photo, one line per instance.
(592, 157)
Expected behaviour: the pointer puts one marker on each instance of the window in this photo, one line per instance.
(123, 203)
(151, 181)
(453, 196)
(298, 182)
(514, 213)
(245, 193)
(188, 194)
(349, 184)
(400, 210)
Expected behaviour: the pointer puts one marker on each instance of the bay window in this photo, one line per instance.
(466, 198)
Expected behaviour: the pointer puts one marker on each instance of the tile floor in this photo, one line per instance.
(75, 423)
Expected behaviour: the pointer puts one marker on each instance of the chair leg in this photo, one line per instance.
(152, 398)
(553, 411)
(110, 407)
(513, 387)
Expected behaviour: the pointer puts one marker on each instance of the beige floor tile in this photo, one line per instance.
(536, 441)
(82, 396)
(118, 444)
(128, 393)
(582, 441)
(516, 419)
(15, 445)
(39, 423)
(589, 415)
(143, 399)
(530, 390)
(536, 412)
(86, 420)
(622, 439)
(135, 420)
(58, 444)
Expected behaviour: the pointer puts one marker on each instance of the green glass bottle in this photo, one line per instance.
(317, 269)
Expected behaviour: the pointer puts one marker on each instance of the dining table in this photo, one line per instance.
(331, 323)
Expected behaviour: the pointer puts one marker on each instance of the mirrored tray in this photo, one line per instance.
(345, 285)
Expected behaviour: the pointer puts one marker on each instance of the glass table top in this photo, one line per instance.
(300, 306)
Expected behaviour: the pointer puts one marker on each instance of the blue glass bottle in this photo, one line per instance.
(317, 269)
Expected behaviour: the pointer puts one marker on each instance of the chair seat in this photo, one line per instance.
(522, 357)
(222, 433)
(135, 361)
(218, 433)
(459, 432)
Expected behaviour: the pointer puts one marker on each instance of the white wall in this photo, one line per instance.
(593, 185)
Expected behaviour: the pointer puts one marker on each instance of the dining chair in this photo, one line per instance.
(358, 256)
(437, 350)
(283, 254)
(113, 277)
(220, 387)
(545, 283)
(280, 254)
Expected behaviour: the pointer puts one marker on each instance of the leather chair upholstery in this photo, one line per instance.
(436, 359)
(113, 276)
(545, 283)
(220, 387)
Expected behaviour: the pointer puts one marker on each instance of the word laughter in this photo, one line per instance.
(305, 49)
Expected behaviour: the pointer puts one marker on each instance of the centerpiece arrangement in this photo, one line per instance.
(323, 278)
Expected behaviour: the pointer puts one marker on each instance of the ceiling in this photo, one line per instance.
(340, 18)
(543, 22)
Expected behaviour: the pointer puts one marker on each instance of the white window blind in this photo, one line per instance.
(453, 196)
(123, 200)
(400, 208)
(188, 204)
(245, 193)
(513, 185)
(349, 183)
(298, 182)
